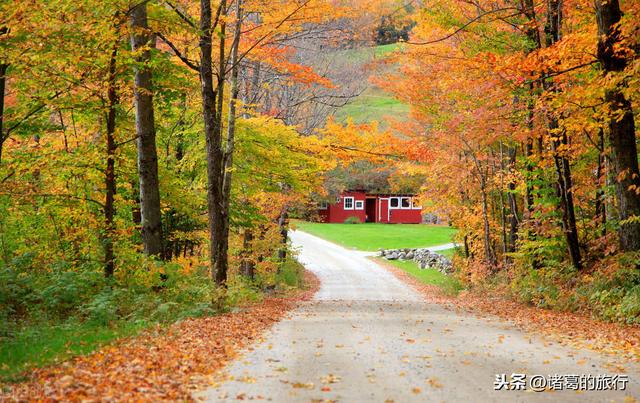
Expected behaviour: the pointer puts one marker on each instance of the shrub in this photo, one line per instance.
(103, 308)
(65, 291)
(16, 293)
(352, 220)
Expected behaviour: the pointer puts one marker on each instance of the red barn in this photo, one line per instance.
(369, 207)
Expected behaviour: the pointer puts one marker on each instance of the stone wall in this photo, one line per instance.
(423, 256)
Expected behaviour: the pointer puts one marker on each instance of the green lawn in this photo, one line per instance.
(427, 276)
(371, 237)
(43, 344)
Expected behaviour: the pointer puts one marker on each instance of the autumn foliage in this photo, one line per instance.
(517, 123)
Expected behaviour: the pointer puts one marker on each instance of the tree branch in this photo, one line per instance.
(180, 56)
(183, 16)
(28, 115)
(463, 27)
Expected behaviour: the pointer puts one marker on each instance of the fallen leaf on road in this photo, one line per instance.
(300, 385)
(330, 379)
(248, 379)
(433, 382)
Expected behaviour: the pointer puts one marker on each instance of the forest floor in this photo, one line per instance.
(372, 334)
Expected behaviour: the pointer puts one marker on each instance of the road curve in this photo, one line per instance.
(367, 336)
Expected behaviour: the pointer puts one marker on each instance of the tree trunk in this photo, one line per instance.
(220, 237)
(621, 125)
(514, 220)
(503, 207)
(565, 192)
(212, 128)
(4, 66)
(247, 267)
(3, 80)
(488, 251)
(283, 224)
(110, 174)
(466, 247)
(146, 134)
(227, 169)
(559, 140)
(600, 198)
(532, 33)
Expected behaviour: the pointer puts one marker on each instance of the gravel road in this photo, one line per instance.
(369, 337)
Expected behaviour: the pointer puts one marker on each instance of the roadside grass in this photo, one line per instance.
(447, 252)
(291, 274)
(372, 236)
(41, 344)
(448, 284)
(39, 341)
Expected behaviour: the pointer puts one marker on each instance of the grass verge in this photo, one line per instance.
(167, 364)
(447, 252)
(447, 284)
(37, 342)
(41, 344)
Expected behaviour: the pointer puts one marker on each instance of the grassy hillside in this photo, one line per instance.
(373, 103)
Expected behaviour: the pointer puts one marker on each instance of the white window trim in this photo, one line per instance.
(323, 205)
(394, 208)
(352, 203)
(405, 208)
(399, 199)
(361, 202)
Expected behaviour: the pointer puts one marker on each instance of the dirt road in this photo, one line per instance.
(369, 337)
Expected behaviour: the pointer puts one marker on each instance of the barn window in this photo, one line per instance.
(359, 205)
(348, 203)
(323, 205)
(406, 202)
(394, 202)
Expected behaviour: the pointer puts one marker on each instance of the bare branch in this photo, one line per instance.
(180, 56)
